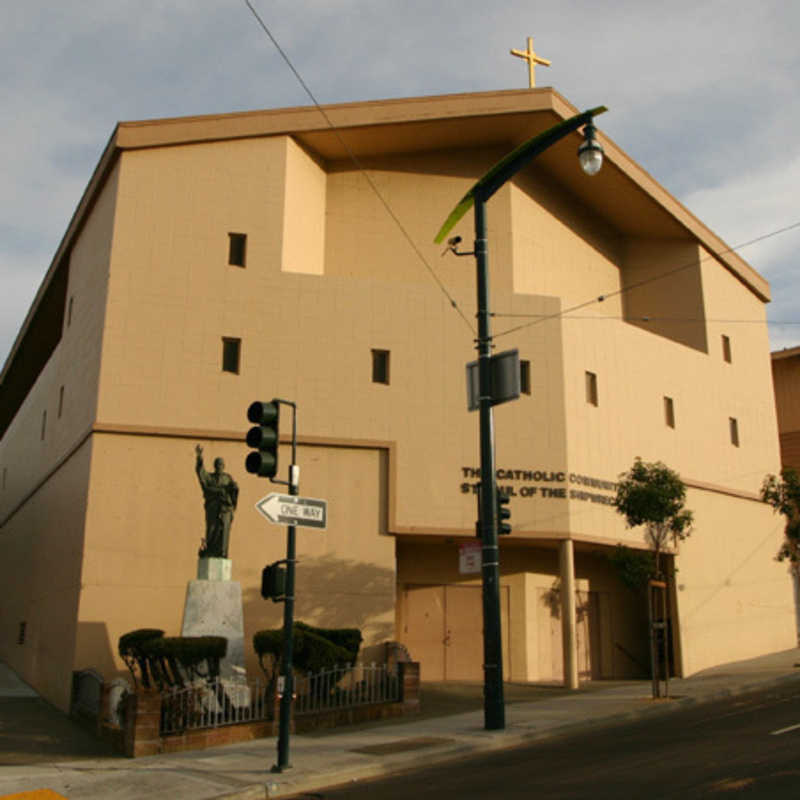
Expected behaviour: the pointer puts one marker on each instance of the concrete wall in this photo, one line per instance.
(328, 278)
(146, 520)
(612, 636)
(45, 470)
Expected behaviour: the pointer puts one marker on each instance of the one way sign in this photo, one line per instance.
(285, 509)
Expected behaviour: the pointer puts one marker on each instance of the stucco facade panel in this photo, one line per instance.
(729, 582)
(146, 520)
(41, 577)
(26, 455)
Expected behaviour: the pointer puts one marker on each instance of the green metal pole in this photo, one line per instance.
(493, 703)
(288, 620)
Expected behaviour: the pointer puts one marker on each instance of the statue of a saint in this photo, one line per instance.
(221, 494)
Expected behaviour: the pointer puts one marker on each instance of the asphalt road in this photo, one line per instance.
(742, 747)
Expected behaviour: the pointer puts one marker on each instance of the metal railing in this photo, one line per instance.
(230, 702)
(346, 687)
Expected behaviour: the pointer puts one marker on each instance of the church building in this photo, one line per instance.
(218, 260)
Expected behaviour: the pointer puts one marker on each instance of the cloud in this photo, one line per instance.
(703, 95)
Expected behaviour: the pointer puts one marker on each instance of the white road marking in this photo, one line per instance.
(785, 730)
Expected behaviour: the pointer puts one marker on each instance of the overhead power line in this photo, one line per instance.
(362, 170)
(602, 297)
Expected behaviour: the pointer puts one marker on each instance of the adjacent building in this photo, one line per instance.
(217, 260)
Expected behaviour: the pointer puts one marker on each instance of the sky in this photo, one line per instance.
(703, 94)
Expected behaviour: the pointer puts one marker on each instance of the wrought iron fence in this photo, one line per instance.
(229, 702)
(346, 687)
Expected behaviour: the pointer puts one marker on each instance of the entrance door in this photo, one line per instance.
(443, 630)
(463, 643)
(425, 629)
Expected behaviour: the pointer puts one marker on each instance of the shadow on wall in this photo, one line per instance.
(94, 650)
(331, 592)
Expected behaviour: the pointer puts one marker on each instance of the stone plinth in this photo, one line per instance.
(214, 608)
(214, 569)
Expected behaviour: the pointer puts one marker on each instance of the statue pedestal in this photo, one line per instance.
(214, 608)
(214, 569)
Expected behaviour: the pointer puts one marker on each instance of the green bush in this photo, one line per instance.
(163, 661)
(347, 638)
(315, 649)
(130, 649)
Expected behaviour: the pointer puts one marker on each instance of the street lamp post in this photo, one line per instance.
(590, 155)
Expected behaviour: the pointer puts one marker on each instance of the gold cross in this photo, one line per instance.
(532, 60)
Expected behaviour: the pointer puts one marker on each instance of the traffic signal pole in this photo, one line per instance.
(493, 701)
(287, 694)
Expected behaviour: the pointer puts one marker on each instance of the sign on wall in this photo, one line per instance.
(469, 558)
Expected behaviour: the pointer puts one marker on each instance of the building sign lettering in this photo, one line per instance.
(543, 483)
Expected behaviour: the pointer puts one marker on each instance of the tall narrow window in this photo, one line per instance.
(380, 366)
(591, 388)
(237, 249)
(525, 377)
(44, 424)
(734, 426)
(60, 401)
(69, 312)
(21, 635)
(726, 348)
(231, 352)
(5, 475)
(669, 412)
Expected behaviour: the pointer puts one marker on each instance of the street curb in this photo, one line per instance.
(462, 748)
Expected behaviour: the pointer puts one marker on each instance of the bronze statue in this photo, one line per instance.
(220, 493)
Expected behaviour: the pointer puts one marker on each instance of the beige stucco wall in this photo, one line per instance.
(43, 504)
(42, 547)
(329, 277)
(146, 520)
(304, 212)
(532, 635)
(786, 380)
(734, 600)
(74, 364)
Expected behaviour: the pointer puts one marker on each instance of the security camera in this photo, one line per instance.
(454, 240)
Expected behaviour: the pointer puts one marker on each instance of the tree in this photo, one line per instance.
(784, 497)
(651, 494)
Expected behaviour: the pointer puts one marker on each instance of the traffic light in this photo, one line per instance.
(503, 513)
(264, 461)
(273, 582)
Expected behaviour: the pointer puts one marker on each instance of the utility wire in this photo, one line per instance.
(651, 318)
(361, 169)
(602, 297)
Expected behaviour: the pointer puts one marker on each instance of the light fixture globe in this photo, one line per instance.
(590, 153)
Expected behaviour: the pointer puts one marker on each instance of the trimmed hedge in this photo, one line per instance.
(165, 661)
(129, 647)
(314, 650)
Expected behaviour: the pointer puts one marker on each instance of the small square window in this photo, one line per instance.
(726, 348)
(734, 426)
(591, 388)
(525, 377)
(237, 249)
(380, 366)
(231, 350)
(669, 412)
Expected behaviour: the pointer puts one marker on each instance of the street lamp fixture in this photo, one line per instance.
(590, 153)
(591, 158)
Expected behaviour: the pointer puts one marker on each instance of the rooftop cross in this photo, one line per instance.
(532, 60)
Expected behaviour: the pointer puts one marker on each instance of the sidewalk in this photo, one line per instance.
(376, 749)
